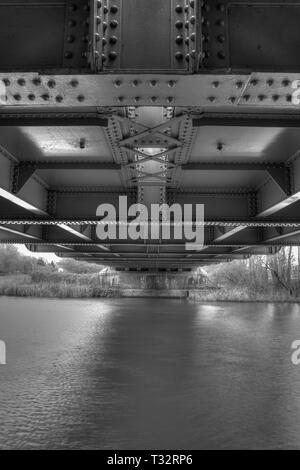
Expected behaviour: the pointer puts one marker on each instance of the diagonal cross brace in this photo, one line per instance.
(145, 132)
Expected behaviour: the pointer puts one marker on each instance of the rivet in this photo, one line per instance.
(21, 82)
(114, 24)
(118, 83)
(232, 99)
(70, 38)
(221, 55)
(215, 84)
(68, 55)
(45, 97)
(179, 24)
(254, 81)
(113, 55)
(220, 23)
(285, 82)
(270, 82)
(153, 83)
(261, 97)
(246, 97)
(31, 97)
(179, 40)
(114, 9)
(212, 99)
(73, 7)
(220, 146)
(289, 98)
(113, 39)
(120, 99)
(74, 83)
(172, 83)
(59, 99)
(220, 7)
(205, 22)
(170, 99)
(51, 83)
(179, 55)
(193, 20)
(193, 37)
(80, 98)
(82, 143)
(178, 9)
(6, 81)
(275, 97)
(239, 84)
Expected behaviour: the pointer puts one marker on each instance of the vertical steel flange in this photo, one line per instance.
(76, 39)
(214, 20)
(111, 55)
(96, 35)
(186, 29)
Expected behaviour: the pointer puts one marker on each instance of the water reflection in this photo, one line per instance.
(141, 373)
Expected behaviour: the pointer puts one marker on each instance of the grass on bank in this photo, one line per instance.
(240, 294)
(54, 285)
(75, 286)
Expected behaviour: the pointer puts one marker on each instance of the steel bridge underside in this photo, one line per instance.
(162, 101)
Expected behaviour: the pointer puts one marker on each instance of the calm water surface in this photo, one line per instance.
(148, 374)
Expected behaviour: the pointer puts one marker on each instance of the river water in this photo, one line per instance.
(148, 374)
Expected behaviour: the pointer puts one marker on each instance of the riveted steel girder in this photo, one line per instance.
(276, 91)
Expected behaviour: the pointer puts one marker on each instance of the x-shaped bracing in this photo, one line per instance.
(144, 138)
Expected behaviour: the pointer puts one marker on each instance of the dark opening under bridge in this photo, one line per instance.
(175, 101)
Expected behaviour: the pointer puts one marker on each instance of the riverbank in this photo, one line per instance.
(58, 285)
(87, 286)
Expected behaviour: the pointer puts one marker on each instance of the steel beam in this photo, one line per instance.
(248, 120)
(232, 166)
(38, 119)
(25, 170)
(208, 222)
(237, 92)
